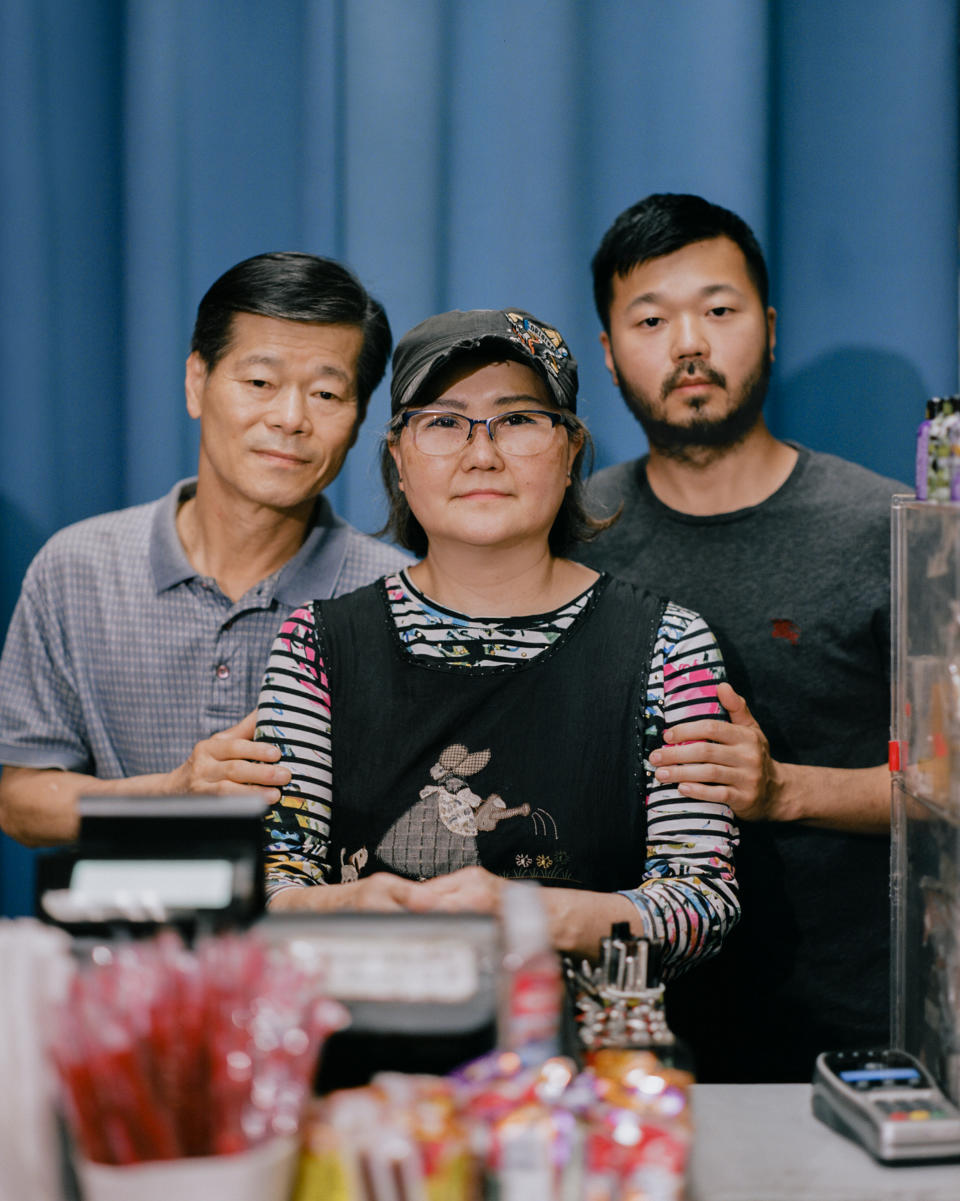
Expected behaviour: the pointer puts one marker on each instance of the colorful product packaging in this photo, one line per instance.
(500, 1130)
(399, 1139)
(938, 450)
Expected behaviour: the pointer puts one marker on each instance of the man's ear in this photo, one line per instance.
(772, 329)
(194, 383)
(608, 357)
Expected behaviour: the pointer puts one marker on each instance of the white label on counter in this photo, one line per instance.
(380, 969)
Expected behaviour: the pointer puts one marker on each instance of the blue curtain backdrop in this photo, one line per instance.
(455, 154)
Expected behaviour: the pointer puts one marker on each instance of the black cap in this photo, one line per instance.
(429, 346)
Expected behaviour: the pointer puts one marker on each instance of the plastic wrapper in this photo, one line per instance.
(499, 1130)
(165, 1053)
(399, 1139)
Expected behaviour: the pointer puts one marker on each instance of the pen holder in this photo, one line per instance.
(264, 1173)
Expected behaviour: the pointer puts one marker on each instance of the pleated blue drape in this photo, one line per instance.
(455, 154)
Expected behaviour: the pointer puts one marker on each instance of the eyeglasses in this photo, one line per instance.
(519, 432)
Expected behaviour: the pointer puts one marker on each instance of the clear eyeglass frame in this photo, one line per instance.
(530, 438)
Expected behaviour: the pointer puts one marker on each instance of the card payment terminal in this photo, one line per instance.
(888, 1102)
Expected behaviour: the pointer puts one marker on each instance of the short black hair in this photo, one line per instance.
(295, 287)
(661, 224)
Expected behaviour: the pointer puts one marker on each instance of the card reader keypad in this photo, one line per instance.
(897, 1112)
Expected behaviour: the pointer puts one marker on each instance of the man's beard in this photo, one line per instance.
(701, 437)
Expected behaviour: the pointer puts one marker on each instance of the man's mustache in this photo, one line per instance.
(696, 368)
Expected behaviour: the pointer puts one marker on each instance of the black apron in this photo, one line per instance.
(531, 770)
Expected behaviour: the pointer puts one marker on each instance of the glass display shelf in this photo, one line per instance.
(925, 758)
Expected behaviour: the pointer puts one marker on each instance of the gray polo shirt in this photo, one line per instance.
(120, 657)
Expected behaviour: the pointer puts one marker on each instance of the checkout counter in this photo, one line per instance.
(761, 1142)
(422, 989)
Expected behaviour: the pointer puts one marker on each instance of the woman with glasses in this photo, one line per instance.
(489, 712)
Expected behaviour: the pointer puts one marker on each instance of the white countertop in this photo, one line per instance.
(761, 1142)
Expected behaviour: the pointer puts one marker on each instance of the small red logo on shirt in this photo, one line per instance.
(785, 628)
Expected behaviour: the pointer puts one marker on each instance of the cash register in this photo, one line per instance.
(421, 988)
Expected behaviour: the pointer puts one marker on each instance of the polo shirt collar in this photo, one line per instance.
(168, 559)
(321, 556)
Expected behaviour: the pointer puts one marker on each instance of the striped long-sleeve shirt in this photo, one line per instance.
(685, 893)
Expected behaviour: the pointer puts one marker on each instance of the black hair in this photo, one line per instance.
(661, 224)
(295, 287)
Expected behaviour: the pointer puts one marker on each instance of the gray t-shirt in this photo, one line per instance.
(120, 657)
(797, 590)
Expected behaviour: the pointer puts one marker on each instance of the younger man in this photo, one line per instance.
(785, 552)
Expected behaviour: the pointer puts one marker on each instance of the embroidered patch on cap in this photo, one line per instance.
(541, 341)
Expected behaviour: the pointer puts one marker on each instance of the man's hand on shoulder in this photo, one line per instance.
(38, 806)
(231, 762)
(727, 762)
(730, 763)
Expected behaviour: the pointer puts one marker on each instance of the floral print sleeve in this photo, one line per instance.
(294, 714)
(687, 898)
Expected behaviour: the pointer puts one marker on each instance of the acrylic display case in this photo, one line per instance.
(925, 756)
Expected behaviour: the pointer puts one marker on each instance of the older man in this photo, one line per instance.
(136, 650)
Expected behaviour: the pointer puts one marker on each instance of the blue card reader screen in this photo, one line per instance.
(854, 1075)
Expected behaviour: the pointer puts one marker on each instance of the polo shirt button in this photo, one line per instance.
(223, 671)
